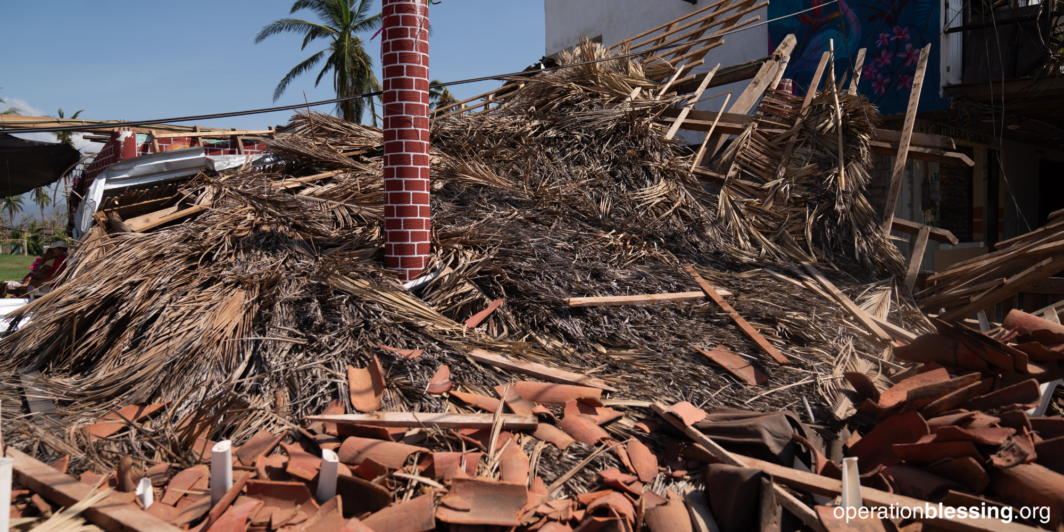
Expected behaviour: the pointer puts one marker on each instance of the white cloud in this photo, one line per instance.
(23, 106)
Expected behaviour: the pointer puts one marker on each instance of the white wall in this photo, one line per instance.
(616, 20)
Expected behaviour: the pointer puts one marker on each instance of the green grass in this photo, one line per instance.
(14, 267)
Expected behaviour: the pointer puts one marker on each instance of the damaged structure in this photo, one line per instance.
(615, 329)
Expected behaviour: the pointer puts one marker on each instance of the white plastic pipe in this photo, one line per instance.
(221, 470)
(330, 467)
(851, 484)
(145, 492)
(5, 492)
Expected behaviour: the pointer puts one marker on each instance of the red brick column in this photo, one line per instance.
(405, 59)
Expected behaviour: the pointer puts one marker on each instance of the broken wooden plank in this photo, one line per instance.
(177, 215)
(856, 79)
(1012, 286)
(745, 326)
(916, 139)
(937, 234)
(639, 299)
(906, 135)
(736, 365)
(921, 153)
(116, 223)
(111, 513)
(853, 309)
(750, 96)
(709, 135)
(429, 420)
(540, 371)
(894, 331)
(917, 257)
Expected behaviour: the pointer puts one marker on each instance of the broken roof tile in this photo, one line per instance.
(491, 503)
(366, 386)
(441, 381)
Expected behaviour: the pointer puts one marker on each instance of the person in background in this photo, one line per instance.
(40, 271)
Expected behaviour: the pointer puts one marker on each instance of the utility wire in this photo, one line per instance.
(496, 77)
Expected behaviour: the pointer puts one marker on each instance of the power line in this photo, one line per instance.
(496, 77)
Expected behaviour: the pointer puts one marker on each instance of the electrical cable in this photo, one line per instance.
(496, 77)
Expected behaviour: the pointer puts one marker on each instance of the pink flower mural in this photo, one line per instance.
(883, 59)
(905, 82)
(911, 55)
(900, 33)
(879, 86)
(883, 40)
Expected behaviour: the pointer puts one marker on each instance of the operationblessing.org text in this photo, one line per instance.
(1006, 514)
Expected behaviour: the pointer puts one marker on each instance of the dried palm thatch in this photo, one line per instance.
(797, 204)
(246, 315)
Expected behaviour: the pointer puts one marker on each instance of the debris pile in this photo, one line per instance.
(594, 346)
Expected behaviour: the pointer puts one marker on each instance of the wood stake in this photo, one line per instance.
(686, 110)
(919, 246)
(709, 134)
(906, 137)
(857, 71)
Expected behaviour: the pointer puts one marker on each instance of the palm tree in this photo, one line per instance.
(439, 97)
(66, 137)
(41, 198)
(351, 66)
(11, 204)
(11, 111)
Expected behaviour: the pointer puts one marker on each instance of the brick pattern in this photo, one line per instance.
(405, 60)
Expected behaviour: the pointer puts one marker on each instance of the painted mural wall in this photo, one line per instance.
(893, 32)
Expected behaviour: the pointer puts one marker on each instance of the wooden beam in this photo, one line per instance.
(906, 135)
(539, 371)
(745, 326)
(749, 98)
(430, 420)
(925, 140)
(219, 133)
(937, 234)
(687, 109)
(1014, 285)
(922, 154)
(850, 306)
(111, 513)
(919, 245)
(640, 299)
(732, 74)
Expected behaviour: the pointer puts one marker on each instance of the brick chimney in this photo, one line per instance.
(405, 59)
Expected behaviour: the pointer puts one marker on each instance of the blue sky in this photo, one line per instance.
(133, 60)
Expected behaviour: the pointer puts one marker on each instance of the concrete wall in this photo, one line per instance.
(615, 20)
